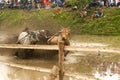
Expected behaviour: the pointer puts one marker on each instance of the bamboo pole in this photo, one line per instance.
(93, 49)
(26, 67)
(24, 46)
(55, 47)
(61, 60)
(46, 70)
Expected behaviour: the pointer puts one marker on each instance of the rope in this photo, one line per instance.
(53, 37)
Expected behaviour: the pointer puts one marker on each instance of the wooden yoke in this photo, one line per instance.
(61, 59)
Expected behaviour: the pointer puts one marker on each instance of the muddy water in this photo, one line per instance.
(12, 73)
(72, 63)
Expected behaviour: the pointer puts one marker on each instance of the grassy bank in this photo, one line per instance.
(17, 20)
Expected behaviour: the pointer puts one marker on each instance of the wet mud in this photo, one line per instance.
(75, 62)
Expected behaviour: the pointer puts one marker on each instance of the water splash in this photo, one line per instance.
(3, 37)
(111, 73)
(3, 72)
(75, 43)
(71, 59)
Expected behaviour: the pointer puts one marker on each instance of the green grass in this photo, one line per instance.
(48, 19)
(108, 25)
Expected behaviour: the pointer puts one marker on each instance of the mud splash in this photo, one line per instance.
(3, 37)
(110, 73)
(83, 44)
(73, 60)
(3, 71)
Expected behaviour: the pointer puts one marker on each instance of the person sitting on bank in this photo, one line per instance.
(98, 13)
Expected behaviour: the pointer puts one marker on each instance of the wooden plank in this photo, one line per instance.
(55, 47)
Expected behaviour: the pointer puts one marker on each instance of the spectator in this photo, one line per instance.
(99, 13)
(116, 1)
(111, 3)
(59, 3)
(118, 4)
(107, 3)
(2, 4)
(104, 2)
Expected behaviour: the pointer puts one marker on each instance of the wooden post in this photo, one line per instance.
(61, 60)
(54, 73)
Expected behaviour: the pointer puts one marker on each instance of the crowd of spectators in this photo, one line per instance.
(28, 4)
(98, 5)
(108, 3)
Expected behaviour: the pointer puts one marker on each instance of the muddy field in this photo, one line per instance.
(81, 63)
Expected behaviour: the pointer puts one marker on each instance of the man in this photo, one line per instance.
(118, 3)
